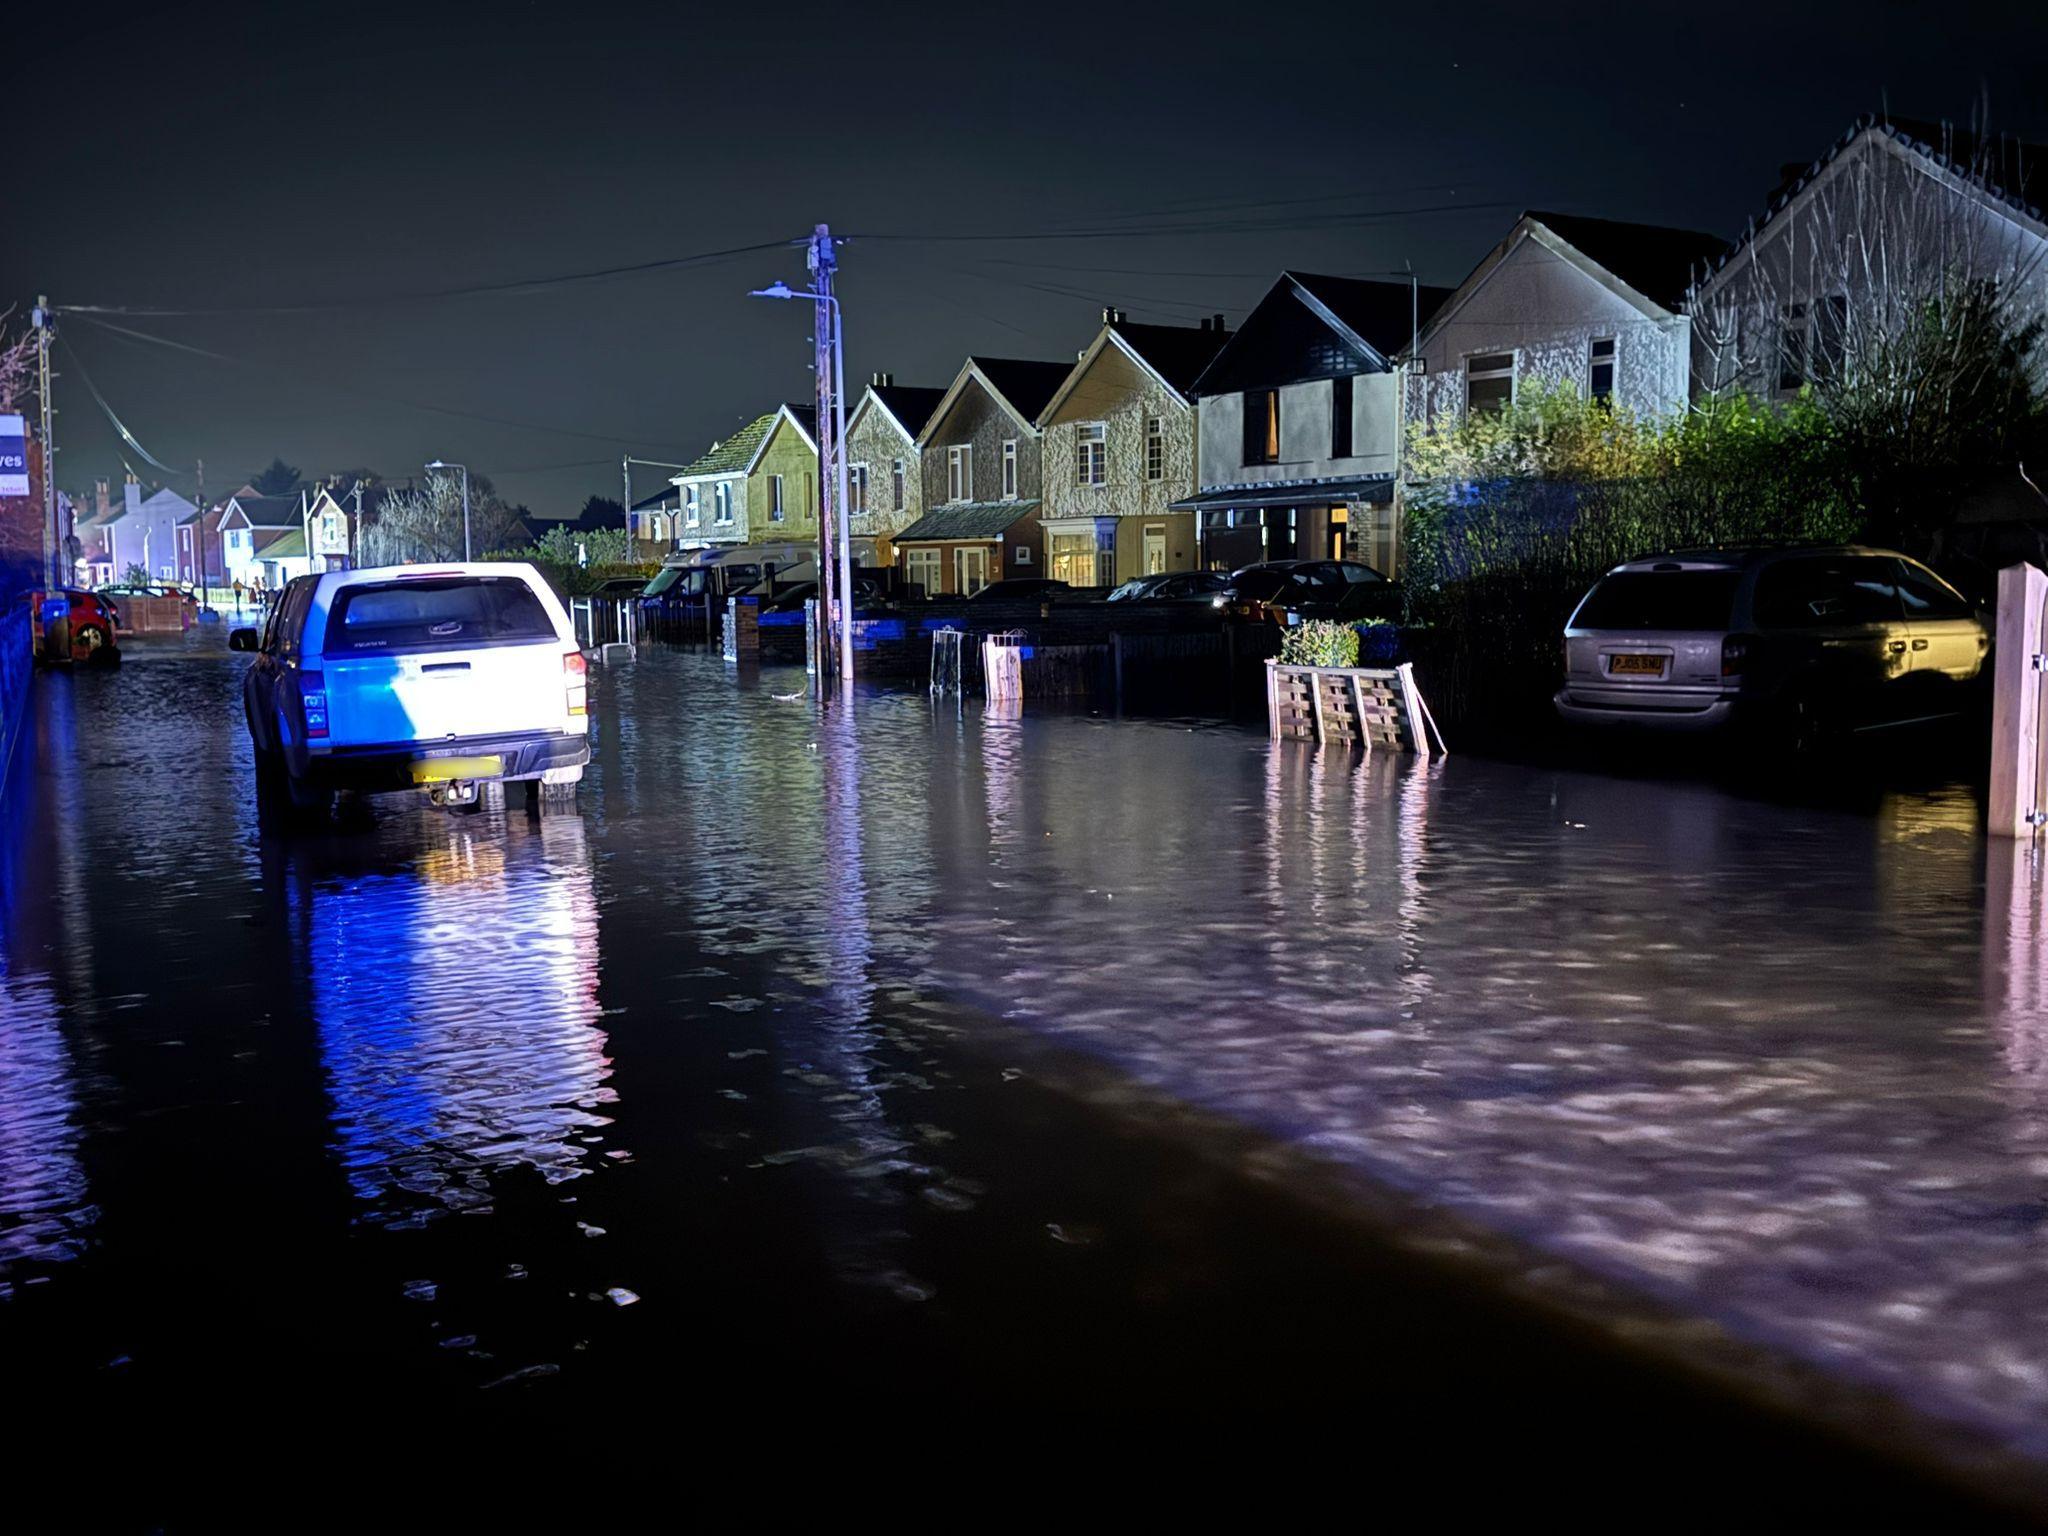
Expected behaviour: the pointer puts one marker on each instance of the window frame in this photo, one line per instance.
(1267, 449)
(1091, 453)
(1596, 361)
(721, 504)
(1155, 448)
(960, 472)
(1498, 372)
(1009, 469)
(899, 475)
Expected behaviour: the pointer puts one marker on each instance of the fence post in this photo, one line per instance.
(2016, 735)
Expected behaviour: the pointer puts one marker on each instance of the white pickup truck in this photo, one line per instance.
(435, 678)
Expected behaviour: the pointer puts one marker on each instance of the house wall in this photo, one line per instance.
(1123, 396)
(873, 439)
(1304, 434)
(1002, 555)
(788, 455)
(1878, 226)
(1547, 312)
(149, 532)
(976, 418)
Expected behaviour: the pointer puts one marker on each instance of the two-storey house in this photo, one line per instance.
(1298, 425)
(980, 459)
(884, 484)
(1855, 244)
(758, 486)
(1119, 449)
(1596, 305)
(263, 539)
(149, 530)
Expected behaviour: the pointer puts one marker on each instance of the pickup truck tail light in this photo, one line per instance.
(576, 678)
(313, 704)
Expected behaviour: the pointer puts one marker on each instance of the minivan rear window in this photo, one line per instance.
(1660, 600)
(436, 613)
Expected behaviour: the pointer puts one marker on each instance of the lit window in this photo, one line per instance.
(1489, 381)
(960, 472)
(1091, 453)
(1010, 469)
(1155, 447)
(1600, 368)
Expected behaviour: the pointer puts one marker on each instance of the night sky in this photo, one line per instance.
(1004, 172)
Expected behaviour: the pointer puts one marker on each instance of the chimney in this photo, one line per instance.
(1218, 325)
(883, 380)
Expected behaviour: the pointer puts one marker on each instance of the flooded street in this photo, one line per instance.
(1018, 1065)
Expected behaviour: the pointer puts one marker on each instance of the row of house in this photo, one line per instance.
(1164, 447)
(249, 539)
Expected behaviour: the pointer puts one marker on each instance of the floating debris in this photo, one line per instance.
(621, 1297)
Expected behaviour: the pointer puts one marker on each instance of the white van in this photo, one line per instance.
(732, 571)
(438, 678)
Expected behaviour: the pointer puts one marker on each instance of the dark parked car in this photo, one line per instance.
(1172, 587)
(1289, 591)
(1801, 641)
(867, 593)
(1022, 589)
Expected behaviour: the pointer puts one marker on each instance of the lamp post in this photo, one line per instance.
(442, 464)
(837, 469)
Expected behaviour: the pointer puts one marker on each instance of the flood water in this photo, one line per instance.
(993, 1064)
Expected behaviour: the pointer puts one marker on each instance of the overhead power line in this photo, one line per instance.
(119, 425)
(318, 382)
(468, 291)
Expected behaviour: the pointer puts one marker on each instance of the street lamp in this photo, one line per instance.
(782, 290)
(442, 464)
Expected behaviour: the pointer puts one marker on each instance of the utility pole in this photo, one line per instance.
(830, 354)
(53, 535)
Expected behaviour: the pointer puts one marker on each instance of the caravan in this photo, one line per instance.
(759, 570)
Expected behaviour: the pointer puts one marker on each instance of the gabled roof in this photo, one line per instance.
(1646, 265)
(1658, 262)
(1175, 355)
(1288, 337)
(2006, 170)
(1381, 314)
(1021, 386)
(910, 406)
(268, 511)
(738, 454)
(661, 500)
(966, 520)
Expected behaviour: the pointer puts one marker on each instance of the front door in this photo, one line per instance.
(970, 571)
(1155, 549)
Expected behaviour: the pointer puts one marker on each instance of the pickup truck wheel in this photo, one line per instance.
(303, 796)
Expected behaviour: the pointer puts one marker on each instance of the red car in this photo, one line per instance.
(72, 624)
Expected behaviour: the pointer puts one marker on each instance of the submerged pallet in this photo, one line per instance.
(1349, 706)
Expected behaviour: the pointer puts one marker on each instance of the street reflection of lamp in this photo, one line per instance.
(837, 469)
(443, 464)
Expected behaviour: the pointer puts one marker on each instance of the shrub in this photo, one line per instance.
(1320, 643)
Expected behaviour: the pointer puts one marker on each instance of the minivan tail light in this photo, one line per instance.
(1734, 652)
(313, 703)
(576, 678)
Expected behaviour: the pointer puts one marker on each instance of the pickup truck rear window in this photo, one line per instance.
(457, 612)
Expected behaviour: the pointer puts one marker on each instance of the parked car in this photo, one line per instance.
(1172, 587)
(1022, 589)
(438, 678)
(867, 593)
(1288, 591)
(74, 625)
(1805, 641)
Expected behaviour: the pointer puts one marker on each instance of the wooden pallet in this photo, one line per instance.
(1365, 707)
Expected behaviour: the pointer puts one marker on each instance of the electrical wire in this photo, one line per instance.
(364, 394)
(120, 426)
(472, 290)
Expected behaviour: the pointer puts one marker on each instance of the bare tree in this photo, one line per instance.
(425, 523)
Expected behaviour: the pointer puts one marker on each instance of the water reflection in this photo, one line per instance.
(45, 1212)
(455, 996)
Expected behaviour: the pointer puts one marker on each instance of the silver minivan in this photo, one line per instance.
(1802, 637)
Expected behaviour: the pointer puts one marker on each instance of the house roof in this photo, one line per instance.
(966, 520)
(910, 405)
(1372, 490)
(2009, 171)
(269, 511)
(1382, 314)
(1658, 262)
(659, 501)
(1023, 383)
(737, 454)
(1177, 353)
(278, 543)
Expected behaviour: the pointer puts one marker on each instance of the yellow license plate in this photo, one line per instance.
(442, 770)
(1635, 666)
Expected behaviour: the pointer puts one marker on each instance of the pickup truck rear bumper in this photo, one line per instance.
(523, 755)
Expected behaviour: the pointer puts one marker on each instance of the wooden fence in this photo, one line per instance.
(1349, 706)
